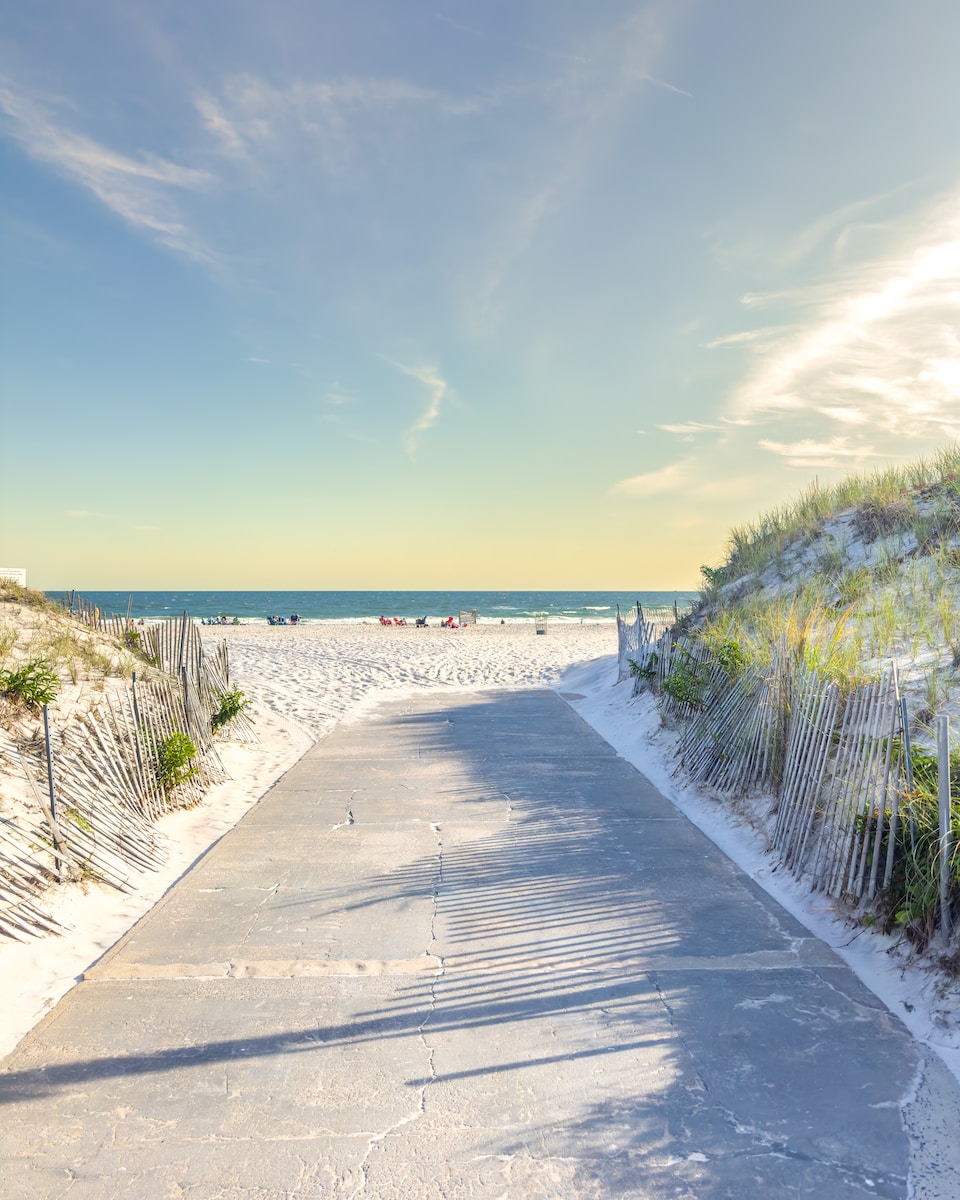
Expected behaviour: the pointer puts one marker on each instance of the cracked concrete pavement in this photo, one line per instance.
(464, 950)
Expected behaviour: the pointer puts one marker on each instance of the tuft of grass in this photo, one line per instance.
(33, 684)
(950, 623)
(232, 704)
(174, 759)
(853, 585)
(887, 623)
(888, 568)
(14, 593)
(877, 516)
(831, 558)
(934, 694)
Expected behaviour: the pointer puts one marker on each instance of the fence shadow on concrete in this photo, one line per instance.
(657, 1006)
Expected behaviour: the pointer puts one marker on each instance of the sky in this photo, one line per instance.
(512, 294)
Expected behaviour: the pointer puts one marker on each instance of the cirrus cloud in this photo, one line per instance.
(876, 346)
(670, 478)
(140, 190)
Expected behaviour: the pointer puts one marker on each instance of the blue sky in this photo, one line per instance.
(526, 294)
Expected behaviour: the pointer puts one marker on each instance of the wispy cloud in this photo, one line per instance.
(439, 393)
(834, 229)
(743, 338)
(588, 95)
(807, 453)
(690, 429)
(670, 87)
(337, 396)
(833, 237)
(250, 118)
(876, 347)
(137, 189)
(516, 238)
(667, 479)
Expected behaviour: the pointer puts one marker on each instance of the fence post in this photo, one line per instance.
(50, 787)
(183, 641)
(54, 827)
(943, 795)
(136, 724)
(908, 765)
(904, 776)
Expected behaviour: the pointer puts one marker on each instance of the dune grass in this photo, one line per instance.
(882, 502)
(845, 580)
(33, 628)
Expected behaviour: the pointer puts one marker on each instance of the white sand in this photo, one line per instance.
(303, 681)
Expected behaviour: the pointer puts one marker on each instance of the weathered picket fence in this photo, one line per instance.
(87, 613)
(101, 782)
(838, 765)
(637, 636)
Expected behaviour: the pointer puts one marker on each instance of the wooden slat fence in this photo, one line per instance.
(837, 764)
(106, 781)
(637, 637)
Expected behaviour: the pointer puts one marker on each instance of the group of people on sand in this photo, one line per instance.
(420, 623)
(293, 620)
(218, 621)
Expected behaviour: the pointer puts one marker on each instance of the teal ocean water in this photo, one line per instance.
(492, 607)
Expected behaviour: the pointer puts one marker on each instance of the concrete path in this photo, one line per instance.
(463, 950)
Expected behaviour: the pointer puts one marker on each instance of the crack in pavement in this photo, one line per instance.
(430, 1077)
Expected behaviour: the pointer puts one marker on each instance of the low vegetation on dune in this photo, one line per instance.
(850, 582)
(46, 656)
(855, 575)
(101, 734)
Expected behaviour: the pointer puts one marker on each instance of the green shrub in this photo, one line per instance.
(174, 756)
(34, 684)
(232, 703)
(852, 585)
(685, 684)
(911, 901)
(731, 657)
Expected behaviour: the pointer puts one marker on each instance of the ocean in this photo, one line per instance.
(491, 607)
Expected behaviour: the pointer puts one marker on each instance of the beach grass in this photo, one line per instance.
(848, 580)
